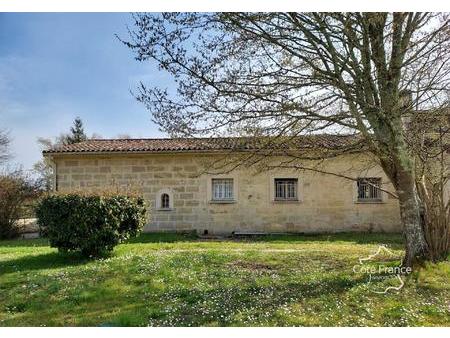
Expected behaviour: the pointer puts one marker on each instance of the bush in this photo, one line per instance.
(90, 224)
(15, 189)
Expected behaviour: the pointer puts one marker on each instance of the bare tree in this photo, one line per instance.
(96, 136)
(429, 136)
(124, 136)
(4, 145)
(43, 168)
(16, 188)
(288, 74)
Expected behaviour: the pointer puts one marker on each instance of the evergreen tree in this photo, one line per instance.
(76, 132)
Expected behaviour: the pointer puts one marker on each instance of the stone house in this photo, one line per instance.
(183, 196)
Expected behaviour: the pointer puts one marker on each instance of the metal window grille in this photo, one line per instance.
(369, 189)
(222, 189)
(165, 201)
(286, 188)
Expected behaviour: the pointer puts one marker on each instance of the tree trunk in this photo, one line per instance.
(416, 245)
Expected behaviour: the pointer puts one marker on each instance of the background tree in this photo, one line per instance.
(96, 136)
(76, 132)
(429, 136)
(4, 145)
(124, 136)
(289, 74)
(15, 189)
(44, 168)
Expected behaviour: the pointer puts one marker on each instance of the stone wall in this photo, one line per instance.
(326, 203)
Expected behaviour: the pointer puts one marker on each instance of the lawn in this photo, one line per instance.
(178, 280)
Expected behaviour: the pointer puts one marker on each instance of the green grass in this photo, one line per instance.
(178, 280)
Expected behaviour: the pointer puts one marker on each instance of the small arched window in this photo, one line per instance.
(165, 201)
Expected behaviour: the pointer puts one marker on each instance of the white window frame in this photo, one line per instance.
(209, 188)
(222, 189)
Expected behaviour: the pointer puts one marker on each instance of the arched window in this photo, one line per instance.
(165, 201)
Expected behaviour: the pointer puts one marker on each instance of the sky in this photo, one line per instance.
(57, 66)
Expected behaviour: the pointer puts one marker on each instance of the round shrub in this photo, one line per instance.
(90, 224)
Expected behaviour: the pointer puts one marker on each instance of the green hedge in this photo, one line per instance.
(90, 224)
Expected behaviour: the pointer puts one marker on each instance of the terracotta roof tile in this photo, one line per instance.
(204, 144)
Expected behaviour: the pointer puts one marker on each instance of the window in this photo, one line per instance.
(286, 189)
(222, 189)
(165, 201)
(369, 189)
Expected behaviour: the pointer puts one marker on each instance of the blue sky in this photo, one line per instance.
(56, 66)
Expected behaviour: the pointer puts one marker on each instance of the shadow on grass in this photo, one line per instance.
(358, 238)
(163, 237)
(21, 242)
(226, 305)
(220, 305)
(39, 262)
(172, 237)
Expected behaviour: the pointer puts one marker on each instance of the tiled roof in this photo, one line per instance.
(205, 144)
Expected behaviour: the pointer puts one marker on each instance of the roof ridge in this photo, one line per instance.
(158, 138)
(206, 138)
(193, 144)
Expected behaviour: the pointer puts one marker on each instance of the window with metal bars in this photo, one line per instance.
(286, 189)
(369, 189)
(222, 189)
